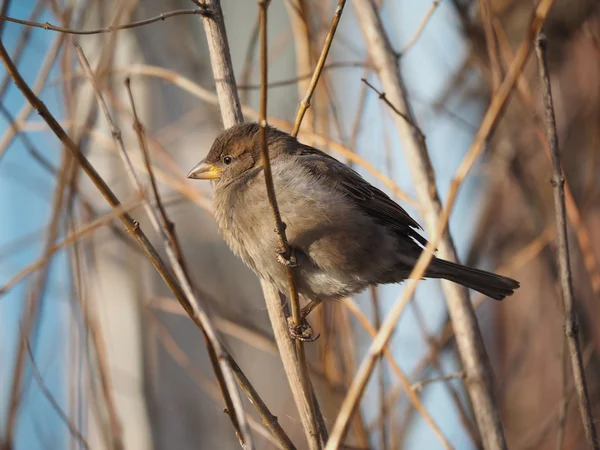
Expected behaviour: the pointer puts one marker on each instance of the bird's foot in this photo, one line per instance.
(287, 262)
(302, 332)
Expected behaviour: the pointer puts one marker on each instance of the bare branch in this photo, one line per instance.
(111, 28)
(566, 280)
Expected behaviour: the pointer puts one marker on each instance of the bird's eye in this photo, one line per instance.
(227, 159)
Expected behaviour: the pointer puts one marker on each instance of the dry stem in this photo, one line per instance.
(566, 281)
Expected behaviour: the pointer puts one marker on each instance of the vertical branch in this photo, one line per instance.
(381, 374)
(283, 246)
(220, 60)
(231, 113)
(558, 180)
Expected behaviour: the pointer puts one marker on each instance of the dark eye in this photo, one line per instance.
(227, 159)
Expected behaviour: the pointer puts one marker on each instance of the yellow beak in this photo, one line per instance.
(204, 171)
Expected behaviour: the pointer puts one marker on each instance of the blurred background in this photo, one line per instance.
(93, 343)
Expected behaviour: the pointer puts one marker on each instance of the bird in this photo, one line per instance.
(346, 234)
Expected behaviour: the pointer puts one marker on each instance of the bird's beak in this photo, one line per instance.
(204, 171)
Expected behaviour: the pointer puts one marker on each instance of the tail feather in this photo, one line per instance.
(489, 284)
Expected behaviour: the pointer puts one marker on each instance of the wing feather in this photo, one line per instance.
(365, 196)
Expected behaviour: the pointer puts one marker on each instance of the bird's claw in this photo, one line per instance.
(302, 332)
(290, 263)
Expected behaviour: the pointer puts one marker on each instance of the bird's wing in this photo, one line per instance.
(367, 197)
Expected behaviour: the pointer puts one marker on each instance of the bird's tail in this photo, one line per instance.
(490, 284)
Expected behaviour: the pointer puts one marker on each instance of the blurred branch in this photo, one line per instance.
(381, 390)
(305, 103)
(571, 325)
(31, 311)
(301, 28)
(53, 402)
(21, 43)
(277, 437)
(419, 385)
(38, 85)
(404, 382)
(111, 28)
(434, 5)
(70, 239)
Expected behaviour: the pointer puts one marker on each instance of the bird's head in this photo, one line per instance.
(237, 151)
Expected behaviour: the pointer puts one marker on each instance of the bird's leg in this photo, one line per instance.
(303, 330)
(304, 312)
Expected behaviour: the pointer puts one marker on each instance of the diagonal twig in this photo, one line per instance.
(305, 103)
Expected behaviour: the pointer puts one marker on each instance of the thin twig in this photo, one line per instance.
(384, 98)
(564, 402)
(111, 28)
(305, 103)
(419, 385)
(434, 5)
(53, 402)
(381, 372)
(571, 324)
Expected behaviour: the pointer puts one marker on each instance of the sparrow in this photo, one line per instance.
(345, 233)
